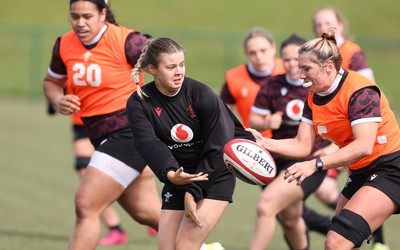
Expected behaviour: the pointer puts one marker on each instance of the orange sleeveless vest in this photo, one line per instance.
(347, 51)
(244, 90)
(334, 125)
(101, 76)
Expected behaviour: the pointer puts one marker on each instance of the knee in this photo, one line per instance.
(265, 208)
(289, 222)
(83, 206)
(142, 217)
(333, 241)
(147, 217)
(349, 226)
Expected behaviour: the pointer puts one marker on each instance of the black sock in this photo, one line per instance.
(290, 246)
(316, 222)
(117, 227)
(377, 235)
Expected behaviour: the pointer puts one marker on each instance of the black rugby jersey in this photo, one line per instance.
(188, 129)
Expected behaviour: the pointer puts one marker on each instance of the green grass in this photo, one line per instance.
(211, 31)
(37, 183)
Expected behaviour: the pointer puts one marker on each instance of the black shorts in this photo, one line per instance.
(79, 132)
(172, 196)
(120, 145)
(310, 184)
(382, 174)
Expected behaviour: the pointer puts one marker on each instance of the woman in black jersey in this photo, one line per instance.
(180, 127)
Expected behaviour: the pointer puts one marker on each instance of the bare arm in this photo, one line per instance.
(294, 148)
(54, 91)
(364, 140)
(362, 146)
(262, 122)
(257, 121)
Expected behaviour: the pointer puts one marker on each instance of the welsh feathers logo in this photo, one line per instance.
(181, 133)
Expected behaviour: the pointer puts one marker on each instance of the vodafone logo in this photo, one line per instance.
(294, 109)
(181, 133)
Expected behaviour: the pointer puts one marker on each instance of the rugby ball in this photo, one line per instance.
(249, 162)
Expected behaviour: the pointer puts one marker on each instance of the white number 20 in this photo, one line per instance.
(92, 73)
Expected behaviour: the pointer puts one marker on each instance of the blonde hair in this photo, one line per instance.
(137, 70)
(150, 56)
(323, 49)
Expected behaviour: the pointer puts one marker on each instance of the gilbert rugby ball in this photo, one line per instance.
(249, 162)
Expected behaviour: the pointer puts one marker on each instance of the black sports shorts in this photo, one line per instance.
(172, 196)
(382, 174)
(120, 145)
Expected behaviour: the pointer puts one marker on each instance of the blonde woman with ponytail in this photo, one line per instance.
(351, 111)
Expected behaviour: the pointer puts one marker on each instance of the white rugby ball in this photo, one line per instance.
(249, 162)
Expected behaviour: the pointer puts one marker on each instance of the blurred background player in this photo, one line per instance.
(95, 60)
(83, 150)
(243, 82)
(282, 99)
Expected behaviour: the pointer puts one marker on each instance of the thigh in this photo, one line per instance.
(292, 212)
(83, 147)
(170, 221)
(373, 205)
(141, 195)
(327, 189)
(279, 194)
(113, 167)
(97, 190)
(341, 203)
(209, 212)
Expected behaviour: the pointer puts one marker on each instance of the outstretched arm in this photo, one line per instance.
(364, 139)
(298, 147)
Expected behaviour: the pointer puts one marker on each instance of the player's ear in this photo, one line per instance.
(329, 66)
(151, 69)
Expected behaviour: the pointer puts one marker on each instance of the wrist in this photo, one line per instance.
(165, 175)
(170, 174)
(266, 124)
(319, 164)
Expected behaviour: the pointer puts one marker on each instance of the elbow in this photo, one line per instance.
(306, 152)
(364, 151)
(367, 151)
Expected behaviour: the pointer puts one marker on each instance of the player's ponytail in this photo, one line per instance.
(137, 70)
(323, 49)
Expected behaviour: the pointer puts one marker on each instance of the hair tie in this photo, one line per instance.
(328, 37)
(325, 36)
